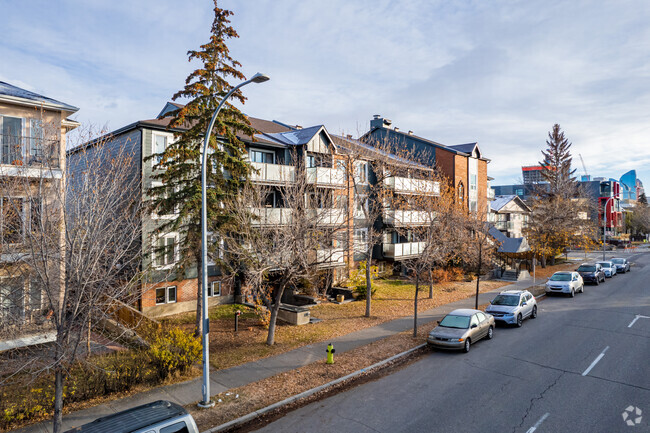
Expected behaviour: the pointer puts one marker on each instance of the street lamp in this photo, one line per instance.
(605, 216)
(206, 402)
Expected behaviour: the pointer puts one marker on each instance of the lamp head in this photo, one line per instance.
(260, 78)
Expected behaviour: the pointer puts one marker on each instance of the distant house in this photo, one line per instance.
(33, 132)
(509, 214)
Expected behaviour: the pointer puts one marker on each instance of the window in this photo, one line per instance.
(36, 141)
(214, 289)
(262, 156)
(163, 195)
(519, 192)
(474, 320)
(461, 192)
(481, 317)
(311, 161)
(179, 427)
(12, 300)
(11, 220)
(165, 253)
(361, 173)
(160, 143)
(11, 140)
(35, 294)
(361, 206)
(165, 295)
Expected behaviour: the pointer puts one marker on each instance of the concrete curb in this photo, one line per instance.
(309, 392)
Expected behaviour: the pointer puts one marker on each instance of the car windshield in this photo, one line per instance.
(461, 322)
(591, 268)
(605, 264)
(561, 277)
(618, 261)
(508, 300)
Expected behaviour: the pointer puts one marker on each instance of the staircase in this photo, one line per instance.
(511, 275)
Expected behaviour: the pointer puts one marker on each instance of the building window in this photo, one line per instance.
(214, 289)
(262, 156)
(361, 174)
(11, 220)
(163, 194)
(165, 253)
(160, 143)
(12, 301)
(461, 192)
(11, 149)
(165, 295)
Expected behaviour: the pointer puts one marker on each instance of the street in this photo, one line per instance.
(576, 368)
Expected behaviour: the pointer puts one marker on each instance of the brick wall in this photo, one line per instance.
(185, 297)
(460, 172)
(482, 187)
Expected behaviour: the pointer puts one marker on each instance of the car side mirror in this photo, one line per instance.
(439, 321)
(523, 304)
(473, 326)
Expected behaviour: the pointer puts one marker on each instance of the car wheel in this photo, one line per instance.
(467, 344)
(490, 333)
(573, 293)
(534, 313)
(520, 320)
(582, 288)
(597, 281)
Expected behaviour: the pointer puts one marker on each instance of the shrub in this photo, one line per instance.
(175, 351)
(362, 290)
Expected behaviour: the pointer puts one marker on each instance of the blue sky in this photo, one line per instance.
(499, 72)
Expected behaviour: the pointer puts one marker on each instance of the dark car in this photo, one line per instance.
(622, 265)
(591, 273)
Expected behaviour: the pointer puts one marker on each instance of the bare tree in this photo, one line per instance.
(72, 253)
(276, 248)
(480, 247)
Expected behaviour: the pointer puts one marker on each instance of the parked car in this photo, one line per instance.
(622, 265)
(513, 306)
(592, 273)
(158, 417)
(460, 328)
(565, 282)
(608, 268)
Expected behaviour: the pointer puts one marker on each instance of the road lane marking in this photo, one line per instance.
(593, 364)
(538, 423)
(638, 316)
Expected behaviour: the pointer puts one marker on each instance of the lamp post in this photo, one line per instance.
(206, 402)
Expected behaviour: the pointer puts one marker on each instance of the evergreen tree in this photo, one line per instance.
(180, 164)
(643, 199)
(557, 164)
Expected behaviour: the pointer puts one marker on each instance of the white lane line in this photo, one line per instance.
(538, 423)
(638, 316)
(593, 364)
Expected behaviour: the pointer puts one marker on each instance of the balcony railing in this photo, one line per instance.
(269, 216)
(272, 173)
(328, 216)
(490, 194)
(326, 176)
(406, 217)
(504, 225)
(329, 258)
(29, 151)
(404, 250)
(407, 185)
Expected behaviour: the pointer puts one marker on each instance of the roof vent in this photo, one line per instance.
(376, 116)
(349, 136)
(298, 127)
(410, 132)
(396, 129)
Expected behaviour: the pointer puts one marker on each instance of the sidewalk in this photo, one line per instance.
(223, 380)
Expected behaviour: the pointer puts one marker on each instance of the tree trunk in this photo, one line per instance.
(57, 419)
(368, 284)
(430, 283)
(415, 305)
(542, 260)
(478, 274)
(199, 299)
(270, 339)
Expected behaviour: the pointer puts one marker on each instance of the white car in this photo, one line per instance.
(609, 268)
(565, 282)
(513, 306)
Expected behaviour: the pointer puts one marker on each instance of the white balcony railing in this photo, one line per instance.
(490, 194)
(326, 176)
(328, 216)
(272, 173)
(269, 216)
(406, 217)
(404, 250)
(329, 258)
(412, 186)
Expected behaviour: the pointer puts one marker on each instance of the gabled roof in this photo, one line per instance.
(295, 137)
(467, 148)
(349, 145)
(169, 108)
(509, 245)
(11, 93)
(501, 200)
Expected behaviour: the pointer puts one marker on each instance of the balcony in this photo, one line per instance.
(405, 185)
(326, 176)
(504, 225)
(490, 194)
(28, 152)
(330, 258)
(403, 251)
(399, 218)
(272, 173)
(271, 216)
(328, 216)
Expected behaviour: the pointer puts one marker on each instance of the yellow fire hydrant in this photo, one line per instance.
(330, 354)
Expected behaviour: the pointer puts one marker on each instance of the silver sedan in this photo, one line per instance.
(460, 328)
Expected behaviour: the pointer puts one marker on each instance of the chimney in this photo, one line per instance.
(396, 129)
(379, 122)
(410, 132)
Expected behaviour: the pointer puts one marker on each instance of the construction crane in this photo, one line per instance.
(584, 167)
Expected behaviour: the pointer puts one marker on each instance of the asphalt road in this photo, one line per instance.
(576, 368)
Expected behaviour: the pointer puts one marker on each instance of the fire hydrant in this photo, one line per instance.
(330, 354)
(237, 314)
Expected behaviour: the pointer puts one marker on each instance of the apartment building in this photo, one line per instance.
(278, 153)
(33, 132)
(509, 214)
(463, 164)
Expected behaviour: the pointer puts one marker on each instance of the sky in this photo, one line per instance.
(500, 72)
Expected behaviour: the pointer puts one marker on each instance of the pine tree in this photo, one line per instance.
(557, 164)
(643, 199)
(180, 163)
